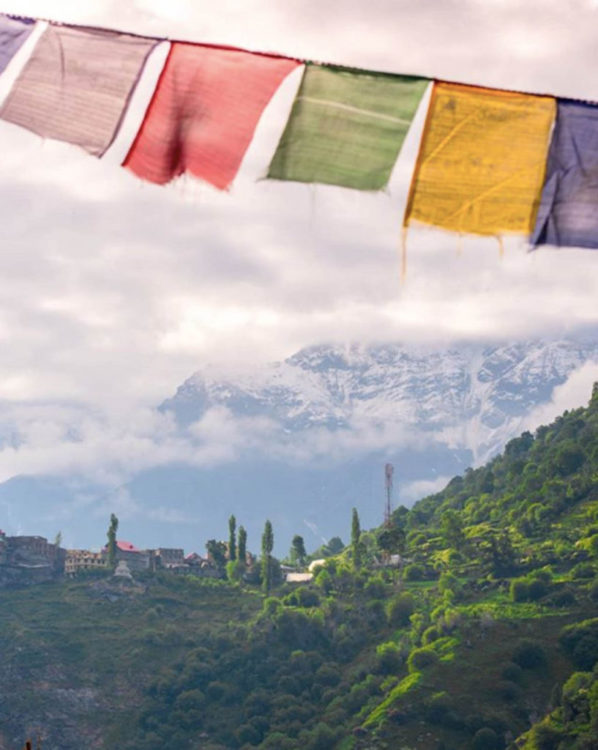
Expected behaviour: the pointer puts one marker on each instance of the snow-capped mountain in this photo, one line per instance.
(467, 397)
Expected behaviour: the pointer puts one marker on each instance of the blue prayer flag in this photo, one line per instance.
(13, 32)
(568, 213)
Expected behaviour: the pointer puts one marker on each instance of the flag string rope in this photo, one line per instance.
(281, 56)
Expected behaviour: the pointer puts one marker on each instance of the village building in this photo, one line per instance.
(29, 559)
(316, 564)
(201, 566)
(78, 560)
(136, 559)
(299, 577)
(169, 558)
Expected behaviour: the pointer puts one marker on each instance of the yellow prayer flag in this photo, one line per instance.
(482, 160)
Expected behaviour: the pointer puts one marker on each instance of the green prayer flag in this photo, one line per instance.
(346, 127)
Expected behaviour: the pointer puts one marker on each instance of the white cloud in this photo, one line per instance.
(114, 291)
(573, 393)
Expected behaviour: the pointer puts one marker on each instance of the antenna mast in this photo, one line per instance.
(388, 472)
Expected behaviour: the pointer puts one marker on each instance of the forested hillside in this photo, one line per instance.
(485, 637)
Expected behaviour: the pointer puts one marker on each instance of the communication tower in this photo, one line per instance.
(388, 472)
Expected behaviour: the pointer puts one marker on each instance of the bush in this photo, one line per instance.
(271, 605)
(580, 641)
(400, 610)
(563, 598)
(414, 572)
(375, 589)
(512, 672)
(519, 590)
(430, 635)
(420, 658)
(306, 597)
(508, 690)
(388, 658)
(529, 655)
(536, 590)
(486, 739)
(328, 675)
(544, 737)
(583, 570)
(324, 581)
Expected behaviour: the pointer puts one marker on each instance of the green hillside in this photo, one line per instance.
(485, 638)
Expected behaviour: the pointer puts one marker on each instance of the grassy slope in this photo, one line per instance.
(77, 657)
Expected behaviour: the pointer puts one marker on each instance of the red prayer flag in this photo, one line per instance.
(204, 112)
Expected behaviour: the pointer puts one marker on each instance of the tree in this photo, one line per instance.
(355, 539)
(451, 527)
(298, 553)
(499, 552)
(232, 543)
(267, 546)
(391, 540)
(335, 545)
(111, 548)
(216, 553)
(58, 539)
(242, 550)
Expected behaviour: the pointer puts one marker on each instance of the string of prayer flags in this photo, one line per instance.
(346, 127)
(77, 84)
(482, 160)
(13, 34)
(568, 213)
(204, 112)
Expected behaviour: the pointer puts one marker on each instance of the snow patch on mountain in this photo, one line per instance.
(466, 397)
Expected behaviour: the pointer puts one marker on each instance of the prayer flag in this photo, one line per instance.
(13, 33)
(482, 160)
(346, 127)
(568, 213)
(77, 84)
(204, 112)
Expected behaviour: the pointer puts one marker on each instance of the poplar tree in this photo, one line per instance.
(267, 546)
(298, 553)
(111, 549)
(242, 551)
(355, 539)
(232, 543)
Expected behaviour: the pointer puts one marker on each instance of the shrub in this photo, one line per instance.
(375, 588)
(388, 657)
(580, 641)
(324, 581)
(328, 674)
(508, 690)
(583, 570)
(512, 672)
(400, 610)
(430, 635)
(544, 736)
(420, 658)
(271, 605)
(414, 572)
(536, 590)
(563, 598)
(519, 590)
(307, 597)
(486, 739)
(529, 655)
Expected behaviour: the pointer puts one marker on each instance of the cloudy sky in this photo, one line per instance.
(114, 291)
